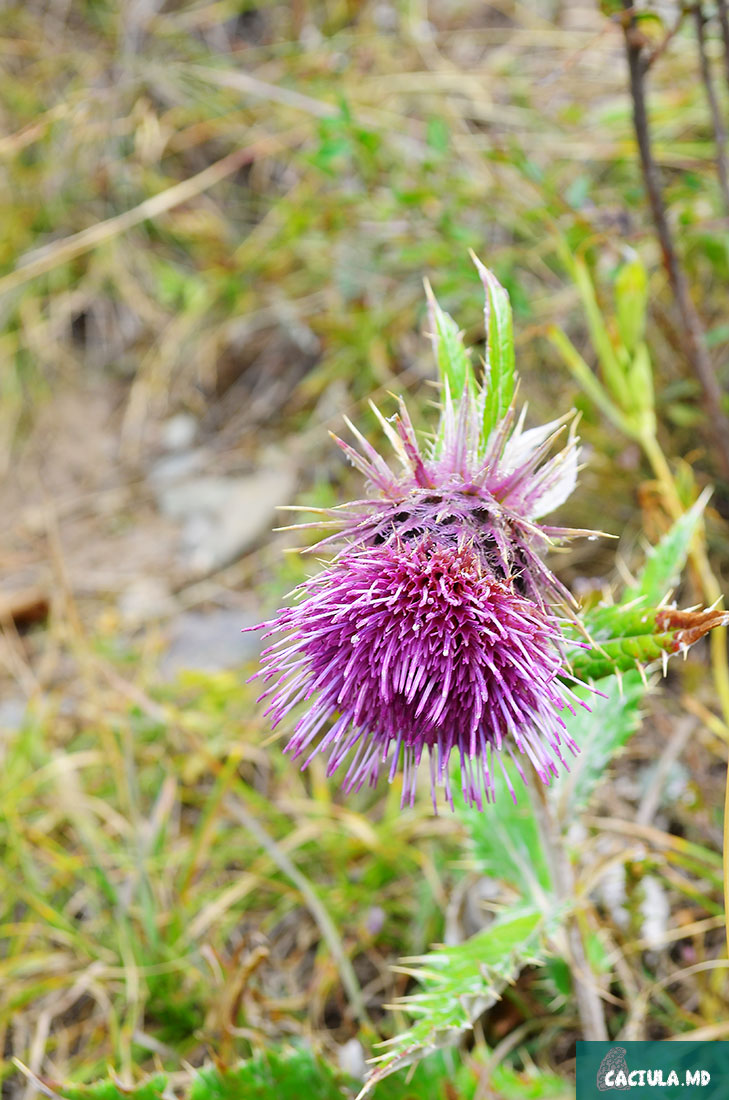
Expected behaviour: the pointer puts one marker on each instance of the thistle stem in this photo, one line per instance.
(589, 1002)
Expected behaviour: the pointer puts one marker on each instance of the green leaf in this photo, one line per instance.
(652, 27)
(298, 1073)
(642, 394)
(459, 984)
(450, 354)
(636, 631)
(507, 846)
(626, 637)
(665, 562)
(499, 366)
(587, 379)
(600, 733)
(276, 1075)
(631, 296)
(717, 335)
(612, 371)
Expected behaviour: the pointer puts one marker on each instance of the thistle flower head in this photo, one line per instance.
(436, 625)
(412, 646)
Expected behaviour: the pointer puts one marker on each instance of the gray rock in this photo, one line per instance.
(223, 517)
(145, 598)
(173, 468)
(210, 641)
(12, 713)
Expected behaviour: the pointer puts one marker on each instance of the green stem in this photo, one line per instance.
(589, 1002)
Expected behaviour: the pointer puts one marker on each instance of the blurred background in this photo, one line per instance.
(217, 218)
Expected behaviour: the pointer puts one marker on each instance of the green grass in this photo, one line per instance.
(141, 910)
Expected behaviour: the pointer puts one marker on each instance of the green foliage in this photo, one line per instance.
(499, 363)
(169, 887)
(634, 631)
(600, 732)
(151, 1089)
(296, 1073)
(507, 1084)
(443, 1075)
(289, 1075)
(624, 638)
(628, 636)
(451, 356)
(631, 297)
(507, 846)
(440, 1076)
(626, 392)
(665, 561)
(458, 984)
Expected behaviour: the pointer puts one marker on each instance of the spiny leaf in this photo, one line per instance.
(459, 983)
(628, 637)
(600, 732)
(499, 368)
(450, 354)
(664, 563)
(507, 846)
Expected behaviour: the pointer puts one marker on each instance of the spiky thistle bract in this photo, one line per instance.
(437, 626)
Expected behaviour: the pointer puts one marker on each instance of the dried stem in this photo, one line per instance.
(716, 119)
(693, 336)
(589, 1002)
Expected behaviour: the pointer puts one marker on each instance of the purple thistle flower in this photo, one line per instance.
(414, 645)
(437, 623)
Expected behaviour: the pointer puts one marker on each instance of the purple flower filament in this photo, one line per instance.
(414, 646)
